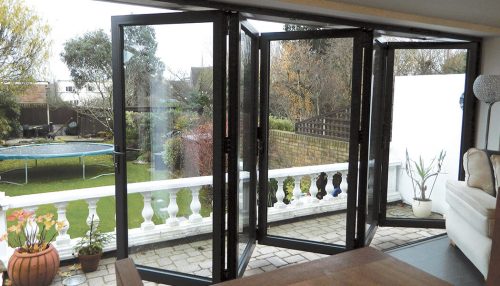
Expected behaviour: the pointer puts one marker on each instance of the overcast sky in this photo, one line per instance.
(179, 46)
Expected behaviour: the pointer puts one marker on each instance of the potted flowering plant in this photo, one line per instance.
(420, 174)
(32, 239)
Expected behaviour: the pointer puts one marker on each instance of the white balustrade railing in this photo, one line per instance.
(174, 227)
(306, 203)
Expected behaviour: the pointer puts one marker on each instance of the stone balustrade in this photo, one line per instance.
(174, 227)
(303, 205)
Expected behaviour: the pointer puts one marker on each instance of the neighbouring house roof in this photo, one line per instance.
(34, 95)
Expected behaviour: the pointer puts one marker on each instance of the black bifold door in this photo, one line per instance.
(422, 104)
(318, 81)
(172, 74)
(214, 110)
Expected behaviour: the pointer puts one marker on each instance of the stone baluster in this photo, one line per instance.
(344, 185)
(63, 236)
(173, 208)
(93, 212)
(280, 194)
(195, 206)
(329, 187)
(313, 190)
(297, 192)
(147, 212)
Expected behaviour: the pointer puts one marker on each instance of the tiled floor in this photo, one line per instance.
(195, 257)
(447, 263)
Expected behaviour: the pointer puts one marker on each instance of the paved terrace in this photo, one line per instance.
(195, 257)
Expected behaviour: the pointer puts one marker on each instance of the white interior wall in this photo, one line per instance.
(490, 65)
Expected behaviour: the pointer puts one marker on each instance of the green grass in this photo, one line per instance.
(53, 175)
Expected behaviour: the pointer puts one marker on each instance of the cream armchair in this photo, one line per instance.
(470, 220)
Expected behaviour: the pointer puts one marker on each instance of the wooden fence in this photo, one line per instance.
(334, 125)
(37, 115)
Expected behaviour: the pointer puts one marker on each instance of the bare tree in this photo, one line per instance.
(429, 61)
(309, 79)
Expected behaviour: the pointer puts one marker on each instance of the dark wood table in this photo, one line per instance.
(365, 266)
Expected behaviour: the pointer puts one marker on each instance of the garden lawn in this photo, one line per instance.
(53, 175)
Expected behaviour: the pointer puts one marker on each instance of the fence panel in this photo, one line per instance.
(62, 115)
(334, 125)
(37, 115)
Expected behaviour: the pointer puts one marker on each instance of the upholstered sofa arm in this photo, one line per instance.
(474, 205)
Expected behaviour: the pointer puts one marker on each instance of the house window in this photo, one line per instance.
(70, 88)
(90, 88)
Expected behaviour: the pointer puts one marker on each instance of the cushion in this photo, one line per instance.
(474, 206)
(495, 162)
(478, 173)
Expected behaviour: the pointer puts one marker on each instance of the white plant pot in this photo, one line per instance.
(421, 209)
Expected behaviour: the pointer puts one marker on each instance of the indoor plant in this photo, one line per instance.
(420, 174)
(31, 237)
(89, 248)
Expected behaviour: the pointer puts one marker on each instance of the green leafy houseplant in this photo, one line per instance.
(420, 174)
(89, 248)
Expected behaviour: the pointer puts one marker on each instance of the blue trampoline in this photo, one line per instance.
(54, 150)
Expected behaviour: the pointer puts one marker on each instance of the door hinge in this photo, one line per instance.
(259, 133)
(360, 136)
(227, 145)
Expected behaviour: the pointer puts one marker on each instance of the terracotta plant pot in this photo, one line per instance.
(37, 269)
(89, 263)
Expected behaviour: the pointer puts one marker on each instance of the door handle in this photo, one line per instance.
(117, 159)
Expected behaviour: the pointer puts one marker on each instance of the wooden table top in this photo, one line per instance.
(365, 266)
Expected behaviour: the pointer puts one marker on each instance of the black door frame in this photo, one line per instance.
(375, 142)
(364, 139)
(236, 265)
(361, 86)
(219, 20)
(472, 70)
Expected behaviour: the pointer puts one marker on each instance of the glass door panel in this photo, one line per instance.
(242, 125)
(425, 86)
(309, 110)
(247, 167)
(167, 94)
(311, 91)
(372, 203)
(169, 127)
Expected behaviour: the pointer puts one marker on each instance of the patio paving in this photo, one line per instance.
(195, 257)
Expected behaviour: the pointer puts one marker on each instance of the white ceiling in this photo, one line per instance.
(483, 12)
(470, 17)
